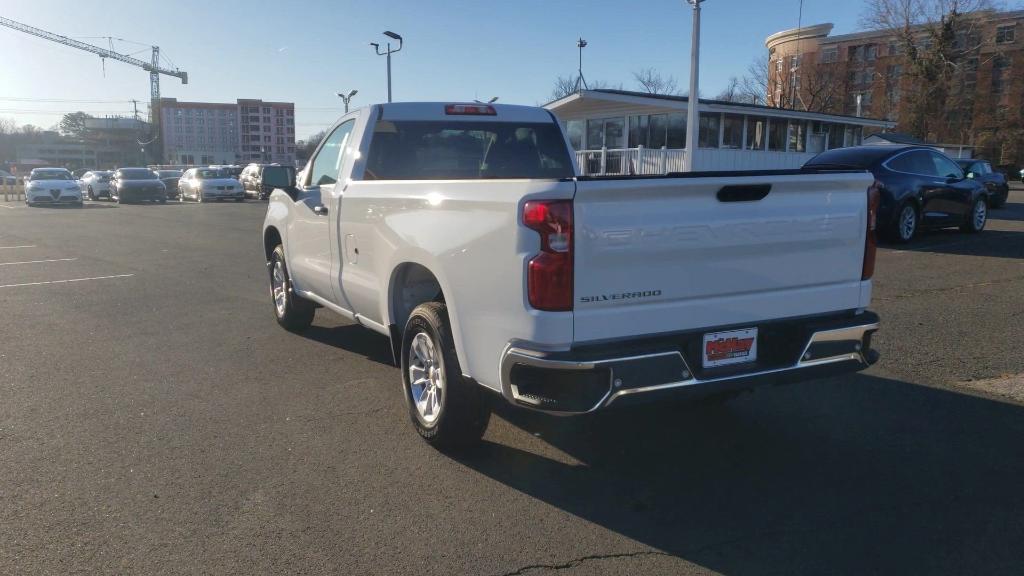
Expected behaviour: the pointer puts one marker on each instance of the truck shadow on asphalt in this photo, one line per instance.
(846, 476)
(353, 338)
(995, 243)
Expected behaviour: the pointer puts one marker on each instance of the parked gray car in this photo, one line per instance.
(137, 184)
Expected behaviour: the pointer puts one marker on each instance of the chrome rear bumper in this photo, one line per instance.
(584, 381)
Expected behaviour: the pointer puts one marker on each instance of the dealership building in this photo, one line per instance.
(624, 132)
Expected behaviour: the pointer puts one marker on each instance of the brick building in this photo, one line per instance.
(865, 74)
(213, 133)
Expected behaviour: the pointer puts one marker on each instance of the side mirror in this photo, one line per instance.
(282, 177)
(970, 175)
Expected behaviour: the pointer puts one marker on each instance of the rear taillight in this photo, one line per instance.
(549, 273)
(870, 243)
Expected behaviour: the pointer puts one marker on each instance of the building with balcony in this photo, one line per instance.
(623, 132)
(250, 130)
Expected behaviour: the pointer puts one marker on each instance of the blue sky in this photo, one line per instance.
(306, 51)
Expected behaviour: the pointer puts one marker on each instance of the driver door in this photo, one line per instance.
(310, 250)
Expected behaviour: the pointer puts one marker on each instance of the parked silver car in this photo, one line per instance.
(203, 184)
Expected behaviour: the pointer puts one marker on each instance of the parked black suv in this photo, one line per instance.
(981, 171)
(920, 187)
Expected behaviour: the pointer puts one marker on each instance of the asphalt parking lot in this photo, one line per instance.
(155, 420)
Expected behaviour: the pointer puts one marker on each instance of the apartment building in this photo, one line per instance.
(865, 74)
(250, 130)
(267, 131)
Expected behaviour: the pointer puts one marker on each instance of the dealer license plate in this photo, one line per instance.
(732, 347)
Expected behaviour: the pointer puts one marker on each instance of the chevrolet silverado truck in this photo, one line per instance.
(464, 234)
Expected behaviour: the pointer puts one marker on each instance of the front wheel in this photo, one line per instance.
(977, 217)
(293, 313)
(199, 196)
(447, 410)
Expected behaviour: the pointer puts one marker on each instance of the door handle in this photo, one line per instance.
(320, 210)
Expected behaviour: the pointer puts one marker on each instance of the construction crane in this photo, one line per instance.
(153, 67)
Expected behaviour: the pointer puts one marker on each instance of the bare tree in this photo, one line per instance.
(752, 87)
(938, 39)
(7, 126)
(304, 148)
(565, 85)
(651, 81)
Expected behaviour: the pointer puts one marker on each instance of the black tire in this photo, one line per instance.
(296, 313)
(463, 414)
(239, 199)
(973, 223)
(163, 200)
(90, 194)
(900, 231)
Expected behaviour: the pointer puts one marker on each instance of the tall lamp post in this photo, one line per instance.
(347, 98)
(693, 101)
(388, 53)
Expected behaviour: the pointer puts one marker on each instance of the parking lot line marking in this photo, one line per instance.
(13, 247)
(8, 207)
(38, 261)
(65, 281)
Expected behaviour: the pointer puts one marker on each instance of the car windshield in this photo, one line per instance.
(205, 173)
(136, 174)
(51, 175)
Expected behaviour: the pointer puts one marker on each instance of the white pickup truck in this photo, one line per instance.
(463, 233)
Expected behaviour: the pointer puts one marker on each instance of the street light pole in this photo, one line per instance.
(347, 98)
(693, 101)
(388, 53)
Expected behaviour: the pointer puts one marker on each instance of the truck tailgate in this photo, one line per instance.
(656, 255)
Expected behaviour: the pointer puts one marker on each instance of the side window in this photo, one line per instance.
(945, 167)
(916, 162)
(328, 160)
(986, 168)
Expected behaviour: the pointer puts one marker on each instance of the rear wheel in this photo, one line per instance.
(90, 194)
(199, 196)
(239, 199)
(292, 312)
(447, 410)
(977, 217)
(904, 228)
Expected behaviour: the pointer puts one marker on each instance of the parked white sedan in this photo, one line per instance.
(203, 184)
(52, 186)
(95, 184)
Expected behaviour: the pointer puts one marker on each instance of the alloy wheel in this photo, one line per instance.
(426, 377)
(980, 214)
(908, 222)
(279, 288)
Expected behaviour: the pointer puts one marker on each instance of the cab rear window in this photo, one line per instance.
(460, 150)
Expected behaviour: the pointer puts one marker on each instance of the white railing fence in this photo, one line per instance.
(630, 161)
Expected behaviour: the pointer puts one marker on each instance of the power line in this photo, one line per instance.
(62, 100)
(22, 112)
